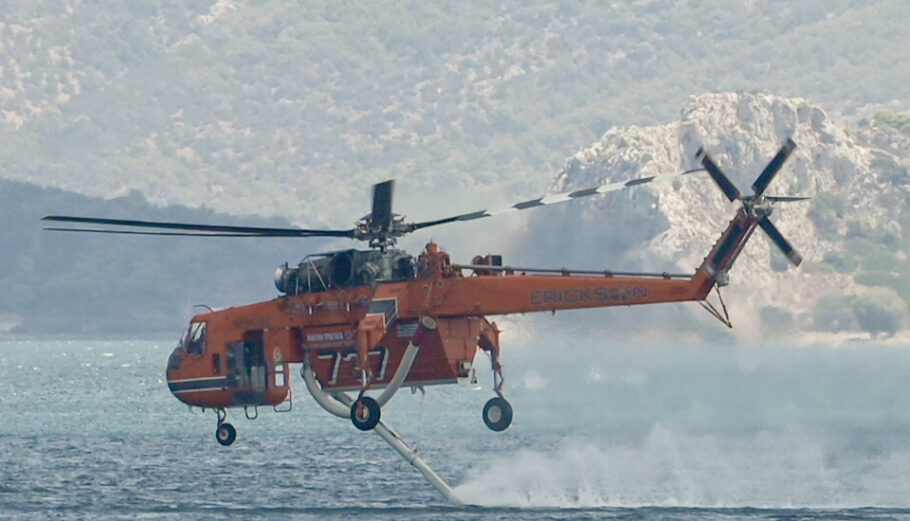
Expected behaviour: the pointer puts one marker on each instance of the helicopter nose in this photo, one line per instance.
(175, 361)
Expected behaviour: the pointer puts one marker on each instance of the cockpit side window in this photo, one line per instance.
(194, 339)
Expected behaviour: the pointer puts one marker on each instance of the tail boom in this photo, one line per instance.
(714, 269)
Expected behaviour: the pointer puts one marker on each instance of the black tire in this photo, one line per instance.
(225, 434)
(497, 414)
(365, 413)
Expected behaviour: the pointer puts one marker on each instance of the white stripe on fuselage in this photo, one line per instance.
(195, 379)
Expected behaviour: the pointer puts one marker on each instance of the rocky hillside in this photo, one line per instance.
(854, 234)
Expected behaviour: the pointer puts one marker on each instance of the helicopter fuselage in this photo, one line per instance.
(357, 335)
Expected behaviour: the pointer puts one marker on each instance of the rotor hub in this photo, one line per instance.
(758, 207)
(381, 237)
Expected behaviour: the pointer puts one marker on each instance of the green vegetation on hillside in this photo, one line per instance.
(896, 120)
(875, 256)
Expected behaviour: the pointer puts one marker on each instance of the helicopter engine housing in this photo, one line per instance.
(345, 269)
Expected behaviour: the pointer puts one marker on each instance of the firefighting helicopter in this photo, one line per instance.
(380, 318)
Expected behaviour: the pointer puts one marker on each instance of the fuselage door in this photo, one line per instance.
(246, 362)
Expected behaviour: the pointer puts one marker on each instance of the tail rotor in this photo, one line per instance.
(758, 206)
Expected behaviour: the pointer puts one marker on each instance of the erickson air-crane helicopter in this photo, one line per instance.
(377, 319)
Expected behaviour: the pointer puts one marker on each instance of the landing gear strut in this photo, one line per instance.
(497, 413)
(225, 433)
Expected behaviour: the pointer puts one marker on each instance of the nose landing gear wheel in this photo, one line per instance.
(225, 434)
(365, 413)
(497, 414)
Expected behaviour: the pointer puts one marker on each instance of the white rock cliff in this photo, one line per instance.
(674, 223)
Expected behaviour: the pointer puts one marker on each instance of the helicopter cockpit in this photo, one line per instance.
(193, 339)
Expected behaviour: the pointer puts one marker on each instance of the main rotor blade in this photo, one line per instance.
(778, 239)
(554, 198)
(232, 231)
(726, 186)
(173, 234)
(381, 216)
(767, 175)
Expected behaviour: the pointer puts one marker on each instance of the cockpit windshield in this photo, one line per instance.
(193, 339)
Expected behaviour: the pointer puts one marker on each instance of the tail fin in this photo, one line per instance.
(754, 212)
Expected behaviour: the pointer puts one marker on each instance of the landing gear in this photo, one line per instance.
(497, 414)
(225, 433)
(365, 413)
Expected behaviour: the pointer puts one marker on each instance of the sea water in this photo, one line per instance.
(88, 430)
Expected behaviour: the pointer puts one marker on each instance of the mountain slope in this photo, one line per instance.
(285, 109)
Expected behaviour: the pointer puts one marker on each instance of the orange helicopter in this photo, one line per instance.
(380, 319)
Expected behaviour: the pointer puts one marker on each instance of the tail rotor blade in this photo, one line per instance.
(726, 186)
(381, 216)
(767, 175)
(786, 198)
(778, 239)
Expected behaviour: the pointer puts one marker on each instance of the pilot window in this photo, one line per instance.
(194, 339)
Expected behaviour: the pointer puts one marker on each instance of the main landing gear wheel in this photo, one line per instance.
(225, 434)
(365, 413)
(497, 414)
